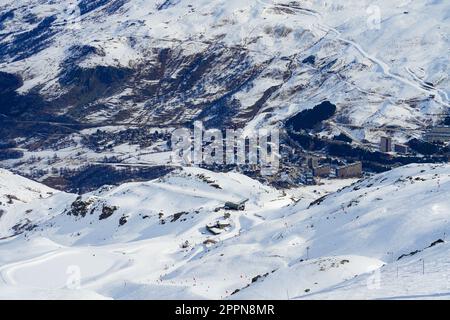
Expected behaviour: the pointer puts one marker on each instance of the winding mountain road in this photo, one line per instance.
(439, 95)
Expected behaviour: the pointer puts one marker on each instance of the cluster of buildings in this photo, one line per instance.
(387, 145)
(319, 167)
(317, 170)
(438, 134)
(353, 170)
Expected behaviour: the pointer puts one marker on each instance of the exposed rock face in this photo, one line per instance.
(79, 208)
(107, 212)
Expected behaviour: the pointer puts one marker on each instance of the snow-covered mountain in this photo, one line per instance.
(128, 63)
(91, 91)
(175, 61)
(380, 237)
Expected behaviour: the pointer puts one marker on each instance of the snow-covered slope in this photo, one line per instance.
(14, 188)
(172, 238)
(17, 193)
(246, 59)
(122, 64)
(182, 203)
(394, 219)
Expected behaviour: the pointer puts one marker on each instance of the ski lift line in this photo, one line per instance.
(345, 130)
(85, 124)
(188, 41)
(69, 126)
(136, 165)
(374, 128)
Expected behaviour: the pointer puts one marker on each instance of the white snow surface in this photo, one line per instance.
(383, 237)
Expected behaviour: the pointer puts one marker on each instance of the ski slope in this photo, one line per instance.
(346, 239)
